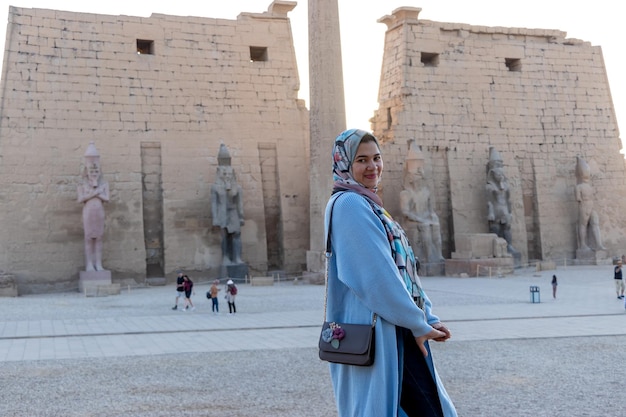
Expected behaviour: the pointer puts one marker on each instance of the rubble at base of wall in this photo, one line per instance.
(8, 287)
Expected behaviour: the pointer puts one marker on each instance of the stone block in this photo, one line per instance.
(435, 269)
(480, 267)
(476, 245)
(156, 281)
(93, 279)
(546, 266)
(592, 257)
(314, 278)
(234, 271)
(261, 281)
(102, 290)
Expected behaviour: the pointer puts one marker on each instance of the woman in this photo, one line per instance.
(188, 287)
(215, 307)
(372, 271)
(231, 294)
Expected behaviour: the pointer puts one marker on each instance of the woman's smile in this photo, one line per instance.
(368, 165)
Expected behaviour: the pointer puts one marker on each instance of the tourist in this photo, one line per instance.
(554, 285)
(188, 287)
(372, 271)
(180, 290)
(619, 282)
(213, 291)
(231, 294)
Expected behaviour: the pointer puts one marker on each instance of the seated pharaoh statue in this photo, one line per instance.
(498, 195)
(418, 209)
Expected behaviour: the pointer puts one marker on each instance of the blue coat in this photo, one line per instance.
(363, 279)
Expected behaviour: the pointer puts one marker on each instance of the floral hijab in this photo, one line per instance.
(344, 151)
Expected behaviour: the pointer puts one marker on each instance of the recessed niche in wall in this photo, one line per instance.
(429, 59)
(513, 64)
(145, 47)
(258, 53)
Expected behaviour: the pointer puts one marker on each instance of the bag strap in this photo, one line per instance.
(328, 254)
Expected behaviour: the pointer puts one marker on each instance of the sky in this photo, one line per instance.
(362, 38)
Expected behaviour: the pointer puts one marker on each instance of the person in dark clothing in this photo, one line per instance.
(180, 291)
(619, 282)
(188, 288)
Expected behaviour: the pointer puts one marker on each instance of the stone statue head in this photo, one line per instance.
(223, 156)
(495, 159)
(91, 169)
(583, 172)
(226, 176)
(495, 167)
(414, 164)
(225, 173)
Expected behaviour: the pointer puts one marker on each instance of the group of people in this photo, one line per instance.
(184, 291)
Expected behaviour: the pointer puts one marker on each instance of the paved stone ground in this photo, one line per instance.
(131, 355)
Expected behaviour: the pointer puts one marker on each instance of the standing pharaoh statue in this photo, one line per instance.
(93, 192)
(588, 220)
(418, 209)
(227, 208)
(499, 213)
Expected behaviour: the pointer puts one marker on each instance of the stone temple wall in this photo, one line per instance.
(539, 98)
(157, 95)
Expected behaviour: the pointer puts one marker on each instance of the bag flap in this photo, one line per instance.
(356, 340)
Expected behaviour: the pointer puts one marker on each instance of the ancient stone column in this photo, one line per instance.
(327, 115)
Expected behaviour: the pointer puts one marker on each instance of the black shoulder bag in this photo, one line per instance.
(348, 344)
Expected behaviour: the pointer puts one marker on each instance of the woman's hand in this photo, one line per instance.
(434, 334)
(442, 328)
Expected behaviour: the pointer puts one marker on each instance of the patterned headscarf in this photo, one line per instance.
(344, 151)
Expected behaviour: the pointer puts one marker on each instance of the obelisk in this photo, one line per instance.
(327, 116)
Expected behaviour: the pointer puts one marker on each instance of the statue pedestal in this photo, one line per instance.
(90, 280)
(234, 271)
(592, 257)
(480, 267)
(517, 258)
(434, 269)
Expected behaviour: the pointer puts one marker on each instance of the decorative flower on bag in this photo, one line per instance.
(327, 335)
(333, 334)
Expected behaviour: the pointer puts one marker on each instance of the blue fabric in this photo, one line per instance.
(363, 279)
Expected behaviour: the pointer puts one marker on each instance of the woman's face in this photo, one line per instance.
(368, 165)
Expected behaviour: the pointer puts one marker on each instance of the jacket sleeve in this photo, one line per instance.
(365, 265)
